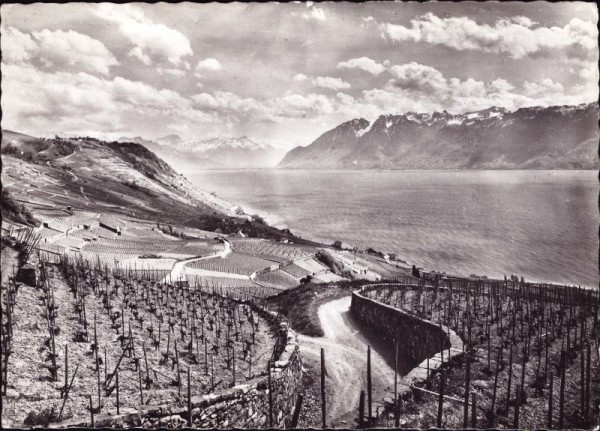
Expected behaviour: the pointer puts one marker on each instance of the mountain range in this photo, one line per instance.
(557, 137)
(216, 153)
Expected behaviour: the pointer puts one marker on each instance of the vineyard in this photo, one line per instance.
(84, 341)
(277, 278)
(295, 271)
(531, 357)
(234, 263)
(277, 252)
(242, 289)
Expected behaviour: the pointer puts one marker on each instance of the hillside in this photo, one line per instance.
(558, 137)
(119, 177)
(216, 153)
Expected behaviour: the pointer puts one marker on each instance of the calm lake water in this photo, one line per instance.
(542, 225)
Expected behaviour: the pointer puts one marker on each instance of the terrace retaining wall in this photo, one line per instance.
(243, 406)
(418, 338)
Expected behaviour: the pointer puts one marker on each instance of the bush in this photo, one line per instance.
(10, 149)
(12, 210)
(43, 418)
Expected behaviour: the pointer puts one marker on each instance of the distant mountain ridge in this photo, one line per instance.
(215, 153)
(556, 137)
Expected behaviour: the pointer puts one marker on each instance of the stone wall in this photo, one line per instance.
(243, 406)
(419, 339)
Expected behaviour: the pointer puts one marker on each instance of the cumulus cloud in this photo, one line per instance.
(150, 39)
(518, 37)
(209, 64)
(363, 63)
(57, 49)
(138, 53)
(17, 46)
(54, 102)
(422, 88)
(315, 13)
(329, 82)
(544, 87)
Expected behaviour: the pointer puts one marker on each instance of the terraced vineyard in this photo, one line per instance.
(105, 342)
(234, 263)
(295, 271)
(277, 278)
(278, 252)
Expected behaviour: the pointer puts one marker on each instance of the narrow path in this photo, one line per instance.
(345, 345)
(178, 271)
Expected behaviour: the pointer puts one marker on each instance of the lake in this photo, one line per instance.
(538, 224)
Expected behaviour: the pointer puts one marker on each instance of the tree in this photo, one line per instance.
(415, 272)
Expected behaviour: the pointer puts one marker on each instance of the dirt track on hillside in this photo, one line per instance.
(345, 345)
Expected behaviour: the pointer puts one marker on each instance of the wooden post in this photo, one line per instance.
(140, 384)
(550, 400)
(233, 365)
(587, 384)
(117, 384)
(473, 410)
(441, 398)
(396, 416)
(189, 397)
(582, 382)
(66, 367)
(517, 407)
(91, 412)
(561, 406)
(323, 405)
(369, 386)
(361, 410)
(509, 378)
(67, 390)
(467, 384)
(270, 396)
(297, 411)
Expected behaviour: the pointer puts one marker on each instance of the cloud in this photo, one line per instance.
(544, 88)
(16, 46)
(331, 83)
(138, 53)
(422, 88)
(237, 109)
(209, 64)
(67, 50)
(518, 37)
(299, 77)
(316, 13)
(55, 102)
(170, 71)
(150, 39)
(363, 63)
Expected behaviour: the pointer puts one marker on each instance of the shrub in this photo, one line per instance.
(43, 418)
(12, 210)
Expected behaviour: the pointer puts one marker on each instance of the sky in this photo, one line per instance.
(283, 74)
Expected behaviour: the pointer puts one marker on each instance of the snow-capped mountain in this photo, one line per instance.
(171, 140)
(557, 137)
(216, 153)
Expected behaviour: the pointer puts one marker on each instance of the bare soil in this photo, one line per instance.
(30, 386)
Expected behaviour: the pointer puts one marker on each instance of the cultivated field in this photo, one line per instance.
(82, 335)
(531, 355)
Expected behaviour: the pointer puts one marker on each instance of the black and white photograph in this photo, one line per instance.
(312, 215)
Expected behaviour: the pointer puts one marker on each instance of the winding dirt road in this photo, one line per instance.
(345, 345)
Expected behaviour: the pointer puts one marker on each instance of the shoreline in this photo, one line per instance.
(279, 222)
